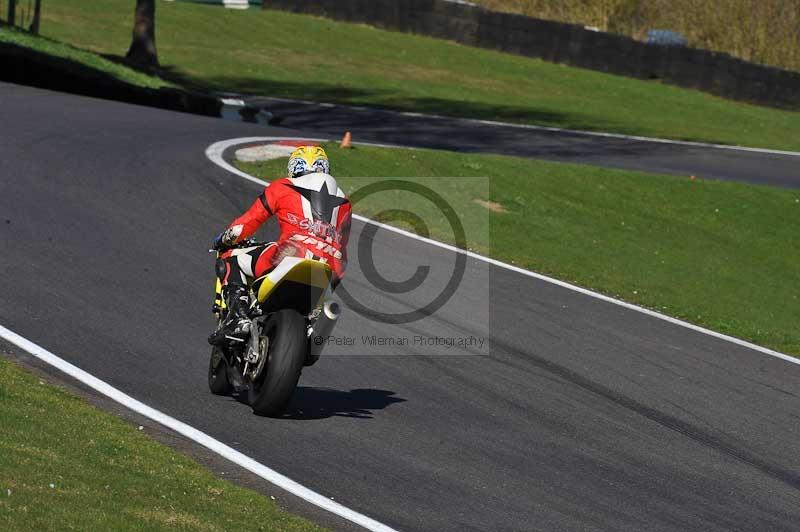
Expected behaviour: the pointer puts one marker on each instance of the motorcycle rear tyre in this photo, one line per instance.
(270, 393)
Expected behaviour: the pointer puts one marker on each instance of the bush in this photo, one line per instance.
(761, 31)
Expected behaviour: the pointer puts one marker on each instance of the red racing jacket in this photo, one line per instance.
(313, 213)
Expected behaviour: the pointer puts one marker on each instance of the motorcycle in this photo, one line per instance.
(290, 316)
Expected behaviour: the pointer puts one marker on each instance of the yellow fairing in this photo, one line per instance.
(219, 301)
(309, 272)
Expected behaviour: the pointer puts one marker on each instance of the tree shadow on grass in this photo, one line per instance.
(168, 73)
(319, 91)
(396, 100)
(63, 74)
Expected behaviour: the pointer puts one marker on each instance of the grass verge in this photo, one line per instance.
(295, 56)
(92, 60)
(65, 465)
(719, 254)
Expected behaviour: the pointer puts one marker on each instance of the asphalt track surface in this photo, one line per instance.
(422, 131)
(582, 416)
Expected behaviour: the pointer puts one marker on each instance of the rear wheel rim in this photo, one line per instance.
(265, 341)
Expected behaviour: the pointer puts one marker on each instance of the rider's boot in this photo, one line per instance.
(236, 323)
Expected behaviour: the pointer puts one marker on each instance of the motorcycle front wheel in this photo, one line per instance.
(272, 389)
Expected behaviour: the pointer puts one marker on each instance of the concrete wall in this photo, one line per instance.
(713, 72)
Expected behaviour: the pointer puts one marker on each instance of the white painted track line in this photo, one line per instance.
(193, 434)
(215, 154)
(579, 132)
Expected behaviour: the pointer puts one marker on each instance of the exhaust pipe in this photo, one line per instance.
(323, 327)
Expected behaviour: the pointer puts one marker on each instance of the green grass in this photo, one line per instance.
(89, 59)
(65, 465)
(719, 254)
(295, 56)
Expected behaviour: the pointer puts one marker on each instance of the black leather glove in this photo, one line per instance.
(219, 241)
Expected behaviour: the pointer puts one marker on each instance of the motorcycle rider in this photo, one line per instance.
(314, 219)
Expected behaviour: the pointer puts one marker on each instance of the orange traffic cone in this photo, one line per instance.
(347, 140)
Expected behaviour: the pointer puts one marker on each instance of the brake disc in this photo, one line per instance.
(263, 355)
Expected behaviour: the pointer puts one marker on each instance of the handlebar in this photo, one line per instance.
(246, 243)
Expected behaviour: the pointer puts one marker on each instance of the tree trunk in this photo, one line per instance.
(12, 12)
(143, 46)
(37, 17)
